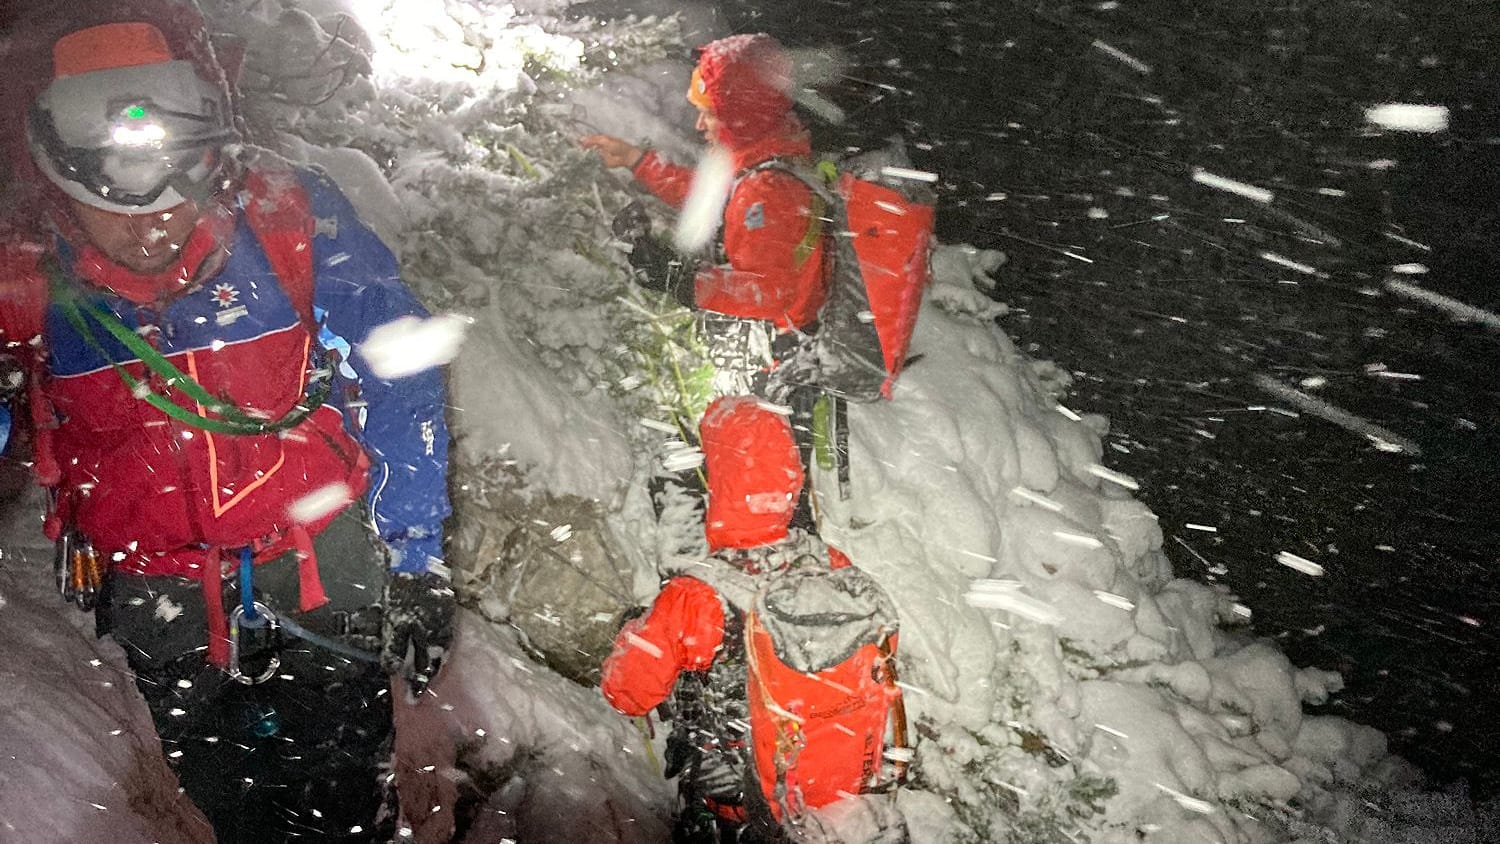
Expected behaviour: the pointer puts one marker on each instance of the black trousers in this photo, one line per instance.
(299, 758)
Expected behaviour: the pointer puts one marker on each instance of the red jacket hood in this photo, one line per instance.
(747, 79)
(754, 473)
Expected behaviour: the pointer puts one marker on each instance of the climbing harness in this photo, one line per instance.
(251, 614)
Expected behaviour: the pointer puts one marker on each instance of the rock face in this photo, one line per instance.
(546, 566)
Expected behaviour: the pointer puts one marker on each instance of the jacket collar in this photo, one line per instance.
(201, 256)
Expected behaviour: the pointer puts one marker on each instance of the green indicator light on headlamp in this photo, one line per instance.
(135, 112)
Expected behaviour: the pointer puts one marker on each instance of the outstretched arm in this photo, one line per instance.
(668, 181)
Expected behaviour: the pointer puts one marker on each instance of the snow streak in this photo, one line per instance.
(1383, 438)
(1458, 310)
(1129, 61)
(1302, 564)
(1007, 595)
(1203, 177)
(411, 344)
(1408, 117)
(704, 209)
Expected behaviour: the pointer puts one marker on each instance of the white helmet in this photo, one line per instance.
(131, 139)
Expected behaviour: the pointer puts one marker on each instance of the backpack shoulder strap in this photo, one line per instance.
(280, 213)
(819, 180)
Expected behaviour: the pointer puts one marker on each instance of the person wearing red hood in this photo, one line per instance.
(772, 234)
(691, 646)
(254, 513)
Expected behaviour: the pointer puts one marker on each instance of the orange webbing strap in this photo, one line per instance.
(310, 594)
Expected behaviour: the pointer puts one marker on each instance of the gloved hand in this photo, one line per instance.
(417, 627)
(657, 266)
(631, 223)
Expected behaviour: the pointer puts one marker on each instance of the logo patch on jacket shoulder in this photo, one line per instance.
(755, 216)
(227, 298)
(225, 295)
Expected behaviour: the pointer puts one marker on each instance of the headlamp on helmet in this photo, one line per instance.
(133, 139)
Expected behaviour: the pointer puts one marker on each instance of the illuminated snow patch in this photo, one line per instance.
(1409, 117)
(321, 502)
(411, 344)
(562, 533)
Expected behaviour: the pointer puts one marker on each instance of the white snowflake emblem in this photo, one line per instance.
(225, 295)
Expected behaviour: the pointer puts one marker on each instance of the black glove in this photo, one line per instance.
(657, 266)
(631, 223)
(417, 627)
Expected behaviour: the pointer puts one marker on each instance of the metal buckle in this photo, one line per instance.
(264, 619)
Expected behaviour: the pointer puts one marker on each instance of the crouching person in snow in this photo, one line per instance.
(256, 515)
(776, 654)
(771, 282)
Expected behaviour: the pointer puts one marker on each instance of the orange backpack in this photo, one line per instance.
(820, 648)
(879, 264)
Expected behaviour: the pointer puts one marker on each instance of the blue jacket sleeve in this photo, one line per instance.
(358, 288)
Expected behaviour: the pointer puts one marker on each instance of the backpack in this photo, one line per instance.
(879, 264)
(820, 649)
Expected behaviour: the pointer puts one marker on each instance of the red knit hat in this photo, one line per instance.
(747, 79)
(754, 473)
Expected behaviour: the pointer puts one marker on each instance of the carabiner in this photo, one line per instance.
(264, 618)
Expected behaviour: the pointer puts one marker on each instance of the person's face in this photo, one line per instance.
(145, 243)
(708, 125)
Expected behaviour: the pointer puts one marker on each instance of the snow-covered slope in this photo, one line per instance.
(1062, 685)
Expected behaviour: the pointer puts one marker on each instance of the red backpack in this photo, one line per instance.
(820, 648)
(879, 264)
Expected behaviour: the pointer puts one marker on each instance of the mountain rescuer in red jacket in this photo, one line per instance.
(771, 237)
(774, 651)
(256, 514)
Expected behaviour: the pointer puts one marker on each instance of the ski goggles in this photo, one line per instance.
(128, 137)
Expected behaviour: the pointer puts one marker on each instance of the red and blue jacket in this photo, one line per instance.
(160, 496)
